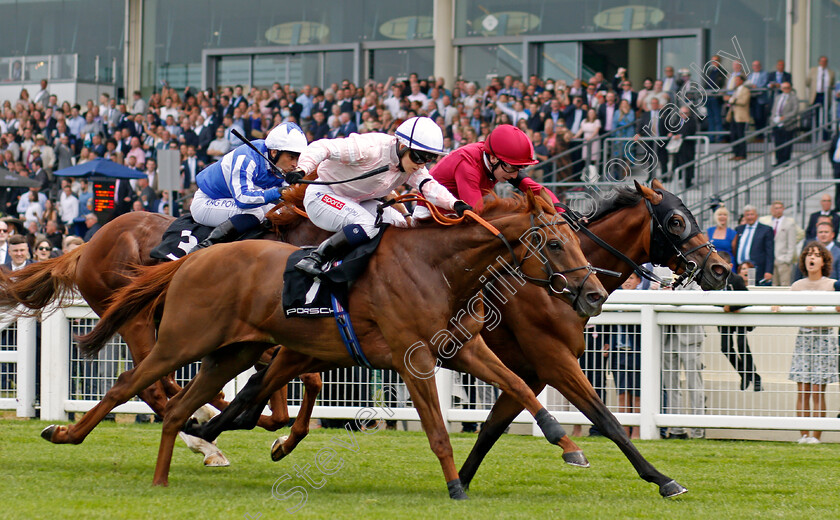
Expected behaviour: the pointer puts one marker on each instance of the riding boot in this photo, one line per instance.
(329, 249)
(224, 232)
(229, 230)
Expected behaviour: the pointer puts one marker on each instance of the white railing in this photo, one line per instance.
(71, 384)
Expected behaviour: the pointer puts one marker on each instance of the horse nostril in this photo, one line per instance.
(595, 297)
(719, 270)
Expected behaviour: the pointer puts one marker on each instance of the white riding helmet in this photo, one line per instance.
(422, 134)
(286, 137)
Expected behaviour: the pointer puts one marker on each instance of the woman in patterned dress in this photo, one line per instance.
(814, 363)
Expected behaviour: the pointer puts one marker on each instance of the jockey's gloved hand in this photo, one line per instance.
(460, 207)
(559, 208)
(295, 176)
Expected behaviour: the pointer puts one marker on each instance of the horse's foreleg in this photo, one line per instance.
(569, 379)
(501, 416)
(425, 398)
(477, 359)
(311, 388)
(217, 368)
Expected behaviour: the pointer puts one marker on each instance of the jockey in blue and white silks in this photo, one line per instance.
(234, 194)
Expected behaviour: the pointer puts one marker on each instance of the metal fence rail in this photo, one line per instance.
(654, 318)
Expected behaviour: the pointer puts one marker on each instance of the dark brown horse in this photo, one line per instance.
(241, 315)
(644, 224)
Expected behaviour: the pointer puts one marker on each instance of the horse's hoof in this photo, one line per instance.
(456, 490)
(47, 433)
(576, 458)
(671, 489)
(277, 451)
(216, 460)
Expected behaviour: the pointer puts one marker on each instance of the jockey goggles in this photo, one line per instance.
(420, 157)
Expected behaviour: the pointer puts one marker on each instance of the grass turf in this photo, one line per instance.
(395, 475)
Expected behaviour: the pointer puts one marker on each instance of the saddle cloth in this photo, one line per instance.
(308, 297)
(184, 234)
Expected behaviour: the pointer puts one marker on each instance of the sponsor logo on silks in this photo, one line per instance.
(337, 204)
(315, 310)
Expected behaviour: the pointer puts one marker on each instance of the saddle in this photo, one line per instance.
(184, 234)
(304, 296)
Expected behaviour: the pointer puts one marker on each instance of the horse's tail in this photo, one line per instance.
(40, 284)
(145, 293)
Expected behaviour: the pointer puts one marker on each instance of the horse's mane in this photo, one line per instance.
(284, 217)
(496, 206)
(625, 196)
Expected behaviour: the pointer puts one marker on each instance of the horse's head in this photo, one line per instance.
(676, 240)
(548, 254)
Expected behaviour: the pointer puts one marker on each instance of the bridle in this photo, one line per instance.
(659, 213)
(548, 283)
(663, 212)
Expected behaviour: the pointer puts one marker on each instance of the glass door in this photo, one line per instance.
(558, 60)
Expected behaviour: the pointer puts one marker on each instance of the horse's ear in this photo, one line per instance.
(657, 185)
(533, 204)
(648, 193)
(549, 204)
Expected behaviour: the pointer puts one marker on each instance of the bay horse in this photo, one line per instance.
(241, 315)
(107, 262)
(646, 225)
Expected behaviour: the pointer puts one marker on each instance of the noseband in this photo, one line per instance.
(551, 275)
(663, 212)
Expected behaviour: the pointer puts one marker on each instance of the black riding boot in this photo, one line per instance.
(224, 232)
(328, 250)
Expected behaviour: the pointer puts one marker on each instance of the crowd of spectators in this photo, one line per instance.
(40, 134)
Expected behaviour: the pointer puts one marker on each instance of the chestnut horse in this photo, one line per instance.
(644, 224)
(241, 315)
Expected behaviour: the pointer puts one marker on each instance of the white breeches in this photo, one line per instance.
(332, 212)
(212, 212)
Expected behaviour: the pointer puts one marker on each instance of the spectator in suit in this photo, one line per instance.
(825, 236)
(92, 224)
(688, 128)
(123, 197)
(574, 114)
(733, 340)
(785, 237)
(783, 114)
(18, 254)
(715, 81)
(780, 76)
(739, 106)
(758, 79)
(819, 82)
(190, 168)
(652, 124)
(4, 242)
(318, 127)
(669, 82)
(826, 211)
(347, 125)
(607, 114)
(754, 243)
(834, 159)
(627, 93)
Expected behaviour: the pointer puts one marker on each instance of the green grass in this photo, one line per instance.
(395, 475)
